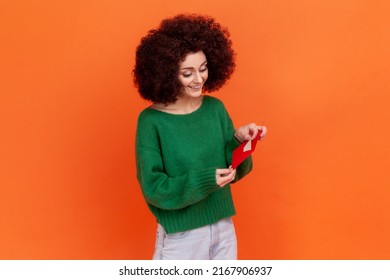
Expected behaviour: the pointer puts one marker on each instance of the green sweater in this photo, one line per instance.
(177, 157)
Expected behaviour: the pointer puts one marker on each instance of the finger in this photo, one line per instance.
(253, 130)
(263, 130)
(246, 134)
(233, 174)
(223, 171)
(225, 179)
(222, 181)
(230, 177)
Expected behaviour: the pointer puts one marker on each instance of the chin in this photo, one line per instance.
(194, 93)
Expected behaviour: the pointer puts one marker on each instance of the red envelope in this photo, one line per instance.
(244, 150)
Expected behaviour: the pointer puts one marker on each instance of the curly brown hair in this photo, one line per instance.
(160, 52)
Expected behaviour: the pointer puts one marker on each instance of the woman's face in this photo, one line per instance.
(193, 73)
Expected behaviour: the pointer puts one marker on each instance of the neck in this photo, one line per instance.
(188, 104)
(183, 105)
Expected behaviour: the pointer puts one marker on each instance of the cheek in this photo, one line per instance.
(183, 81)
(205, 76)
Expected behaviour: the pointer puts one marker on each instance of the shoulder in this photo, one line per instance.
(147, 115)
(214, 102)
(147, 128)
(147, 121)
(218, 107)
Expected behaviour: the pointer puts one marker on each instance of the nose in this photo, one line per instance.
(198, 77)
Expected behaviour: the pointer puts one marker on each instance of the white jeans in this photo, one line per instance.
(212, 242)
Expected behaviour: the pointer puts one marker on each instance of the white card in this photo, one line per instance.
(248, 146)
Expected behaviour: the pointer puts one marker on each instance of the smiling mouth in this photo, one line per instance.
(196, 87)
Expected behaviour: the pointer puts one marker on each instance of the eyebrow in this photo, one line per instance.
(187, 68)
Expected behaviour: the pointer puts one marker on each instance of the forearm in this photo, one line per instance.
(177, 192)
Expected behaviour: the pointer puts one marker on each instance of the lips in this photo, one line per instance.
(195, 87)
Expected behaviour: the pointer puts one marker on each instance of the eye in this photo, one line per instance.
(186, 75)
(204, 69)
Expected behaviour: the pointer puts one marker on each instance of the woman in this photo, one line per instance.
(185, 139)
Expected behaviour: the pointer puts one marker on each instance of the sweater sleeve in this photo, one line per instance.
(171, 193)
(160, 189)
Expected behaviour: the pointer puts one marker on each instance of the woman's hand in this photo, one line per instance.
(249, 132)
(225, 176)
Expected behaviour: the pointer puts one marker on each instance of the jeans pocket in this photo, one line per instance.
(177, 235)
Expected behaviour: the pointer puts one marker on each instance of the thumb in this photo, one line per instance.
(223, 171)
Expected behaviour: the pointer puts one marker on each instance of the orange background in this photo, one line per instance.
(316, 73)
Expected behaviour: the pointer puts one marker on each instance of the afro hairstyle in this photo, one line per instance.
(160, 52)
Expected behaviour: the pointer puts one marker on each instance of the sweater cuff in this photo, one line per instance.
(206, 180)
